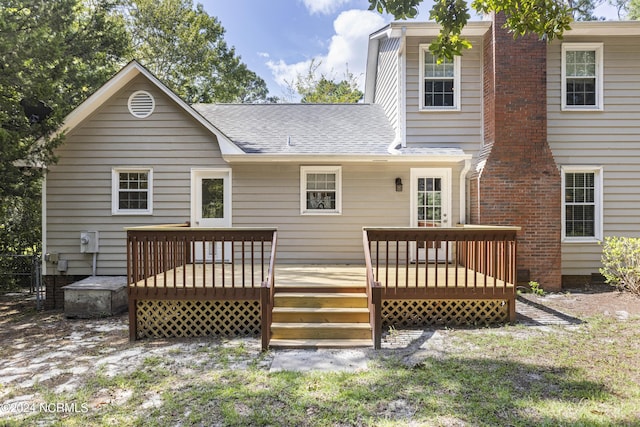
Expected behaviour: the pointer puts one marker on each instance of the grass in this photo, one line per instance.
(514, 375)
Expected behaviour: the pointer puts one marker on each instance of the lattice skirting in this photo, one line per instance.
(409, 313)
(163, 319)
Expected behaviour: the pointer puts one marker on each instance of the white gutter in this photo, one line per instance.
(343, 158)
(431, 29)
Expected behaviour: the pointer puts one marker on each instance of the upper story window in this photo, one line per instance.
(439, 82)
(582, 72)
(132, 191)
(321, 189)
(582, 203)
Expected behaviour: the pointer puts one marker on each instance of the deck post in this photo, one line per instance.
(512, 309)
(376, 314)
(133, 319)
(265, 316)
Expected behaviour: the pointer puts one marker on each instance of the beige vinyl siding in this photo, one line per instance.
(269, 195)
(609, 138)
(387, 79)
(460, 129)
(79, 185)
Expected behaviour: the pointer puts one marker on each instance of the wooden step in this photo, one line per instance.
(311, 288)
(320, 343)
(321, 314)
(322, 299)
(285, 330)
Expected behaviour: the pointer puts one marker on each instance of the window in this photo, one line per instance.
(320, 188)
(582, 203)
(132, 191)
(439, 82)
(582, 70)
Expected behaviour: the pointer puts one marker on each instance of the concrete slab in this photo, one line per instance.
(112, 283)
(96, 296)
(326, 360)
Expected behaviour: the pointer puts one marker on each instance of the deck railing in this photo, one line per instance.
(176, 261)
(439, 263)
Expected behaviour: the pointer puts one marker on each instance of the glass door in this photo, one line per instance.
(211, 207)
(430, 205)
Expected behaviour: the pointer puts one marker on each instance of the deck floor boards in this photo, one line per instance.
(316, 275)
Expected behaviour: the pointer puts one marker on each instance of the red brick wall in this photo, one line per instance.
(520, 182)
(54, 299)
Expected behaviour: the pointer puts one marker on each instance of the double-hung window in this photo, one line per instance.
(582, 203)
(439, 82)
(132, 191)
(320, 190)
(582, 75)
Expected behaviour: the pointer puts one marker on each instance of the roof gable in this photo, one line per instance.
(119, 81)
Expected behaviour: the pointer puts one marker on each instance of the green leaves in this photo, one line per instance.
(185, 48)
(621, 263)
(53, 53)
(546, 18)
(323, 90)
(452, 15)
(400, 9)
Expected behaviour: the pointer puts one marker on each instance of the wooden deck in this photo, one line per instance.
(170, 295)
(413, 276)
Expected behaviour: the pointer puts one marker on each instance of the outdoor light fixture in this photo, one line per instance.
(398, 185)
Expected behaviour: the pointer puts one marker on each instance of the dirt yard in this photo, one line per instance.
(45, 350)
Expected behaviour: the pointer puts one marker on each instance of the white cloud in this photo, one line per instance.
(347, 48)
(324, 7)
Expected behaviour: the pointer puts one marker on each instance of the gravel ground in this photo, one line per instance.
(45, 348)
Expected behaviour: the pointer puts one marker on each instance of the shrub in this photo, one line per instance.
(621, 263)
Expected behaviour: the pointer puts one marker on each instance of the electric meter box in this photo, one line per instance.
(88, 242)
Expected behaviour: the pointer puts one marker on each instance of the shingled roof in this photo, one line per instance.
(303, 129)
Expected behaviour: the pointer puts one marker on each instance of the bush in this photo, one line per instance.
(621, 263)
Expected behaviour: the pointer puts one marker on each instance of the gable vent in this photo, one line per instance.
(141, 104)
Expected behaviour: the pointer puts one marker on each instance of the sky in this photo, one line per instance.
(278, 39)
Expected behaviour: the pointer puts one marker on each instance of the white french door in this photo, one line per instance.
(430, 205)
(211, 207)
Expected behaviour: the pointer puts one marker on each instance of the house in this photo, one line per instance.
(544, 136)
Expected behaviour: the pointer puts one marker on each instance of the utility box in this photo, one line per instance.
(88, 242)
(96, 296)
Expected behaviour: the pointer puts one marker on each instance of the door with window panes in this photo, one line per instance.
(211, 207)
(430, 206)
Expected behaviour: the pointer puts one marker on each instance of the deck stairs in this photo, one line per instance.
(318, 315)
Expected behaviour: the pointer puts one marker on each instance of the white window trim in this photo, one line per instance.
(598, 198)
(599, 50)
(304, 171)
(456, 83)
(115, 189)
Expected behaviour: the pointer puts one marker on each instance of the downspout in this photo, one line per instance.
(463, 191)
(402, 123)
(401, 133)
(43, 207)
(479, 170)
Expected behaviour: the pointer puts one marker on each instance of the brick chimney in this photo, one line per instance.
(516, 180)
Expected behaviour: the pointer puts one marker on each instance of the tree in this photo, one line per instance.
(53, 54)
(314, 89)
(546, 18)
(184, 47)
(634, 10)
